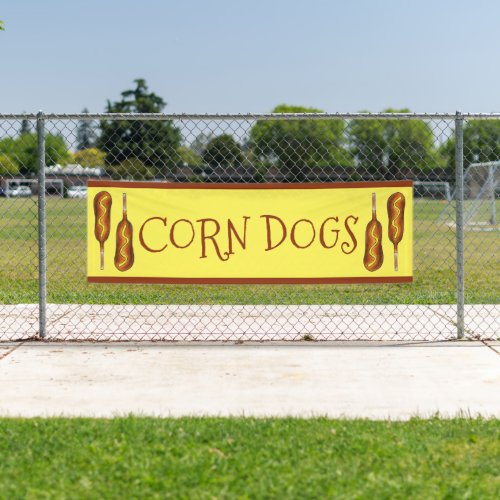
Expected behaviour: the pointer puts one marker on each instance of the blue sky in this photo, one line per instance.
(249, 56)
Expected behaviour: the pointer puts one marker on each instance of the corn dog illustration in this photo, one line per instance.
(102, 214)
(374, 255)
(124, 255)
(396, 213)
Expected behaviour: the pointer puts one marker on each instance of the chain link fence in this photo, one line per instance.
(47, 160)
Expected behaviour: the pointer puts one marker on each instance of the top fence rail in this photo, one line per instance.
(256, 116)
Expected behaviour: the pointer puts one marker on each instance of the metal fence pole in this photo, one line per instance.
(42, 228)
(459, 198)
(492, 174)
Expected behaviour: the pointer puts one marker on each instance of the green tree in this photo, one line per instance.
(389, 149)
(481, 143)
(369, 144)
(294, 145)
(2, 26)
(25, 127)
(91, 157)
(200, 142)
(7, 165)
(86, 134)
(223, 151)
(189, 157)
(131, 168)
(23, 150)
(153, 143)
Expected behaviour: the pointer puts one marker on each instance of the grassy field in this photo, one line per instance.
(434, 263)
(249, 458)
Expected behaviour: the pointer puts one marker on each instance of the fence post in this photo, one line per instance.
(42, 228)
(492, 174)
(459, 199)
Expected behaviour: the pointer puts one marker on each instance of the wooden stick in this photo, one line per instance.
(102, 256)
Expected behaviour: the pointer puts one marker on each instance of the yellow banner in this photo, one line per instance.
(151, 232)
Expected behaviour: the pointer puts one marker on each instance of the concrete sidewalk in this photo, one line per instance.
(249, 323)
(394, 381)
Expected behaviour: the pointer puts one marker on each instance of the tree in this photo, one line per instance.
(86, 134)
(481, 143)
(293, 145)
(23, 150)
(388, 149)
(7, 165)
(189, 157)
(153, 143)
(131, 168)
(369, 144)
(91, 157)
(223, 151)
(25, 127)
(2, 26)
(200, 142)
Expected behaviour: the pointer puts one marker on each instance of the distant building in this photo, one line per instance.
(74, 174)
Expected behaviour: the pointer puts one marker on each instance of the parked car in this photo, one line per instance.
(18, 191)
(77, 192)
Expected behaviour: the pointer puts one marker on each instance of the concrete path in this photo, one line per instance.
(375, 381)
(243, 323)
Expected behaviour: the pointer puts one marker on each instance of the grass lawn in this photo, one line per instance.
(434, 264)
(249, 458)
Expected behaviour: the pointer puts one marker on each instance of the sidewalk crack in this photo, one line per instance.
(10, 351)
(493, 348)
(467, 330)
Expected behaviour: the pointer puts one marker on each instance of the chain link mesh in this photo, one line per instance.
(246, 149)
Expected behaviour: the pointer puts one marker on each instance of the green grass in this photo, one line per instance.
(434, 265)
(249, 458)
